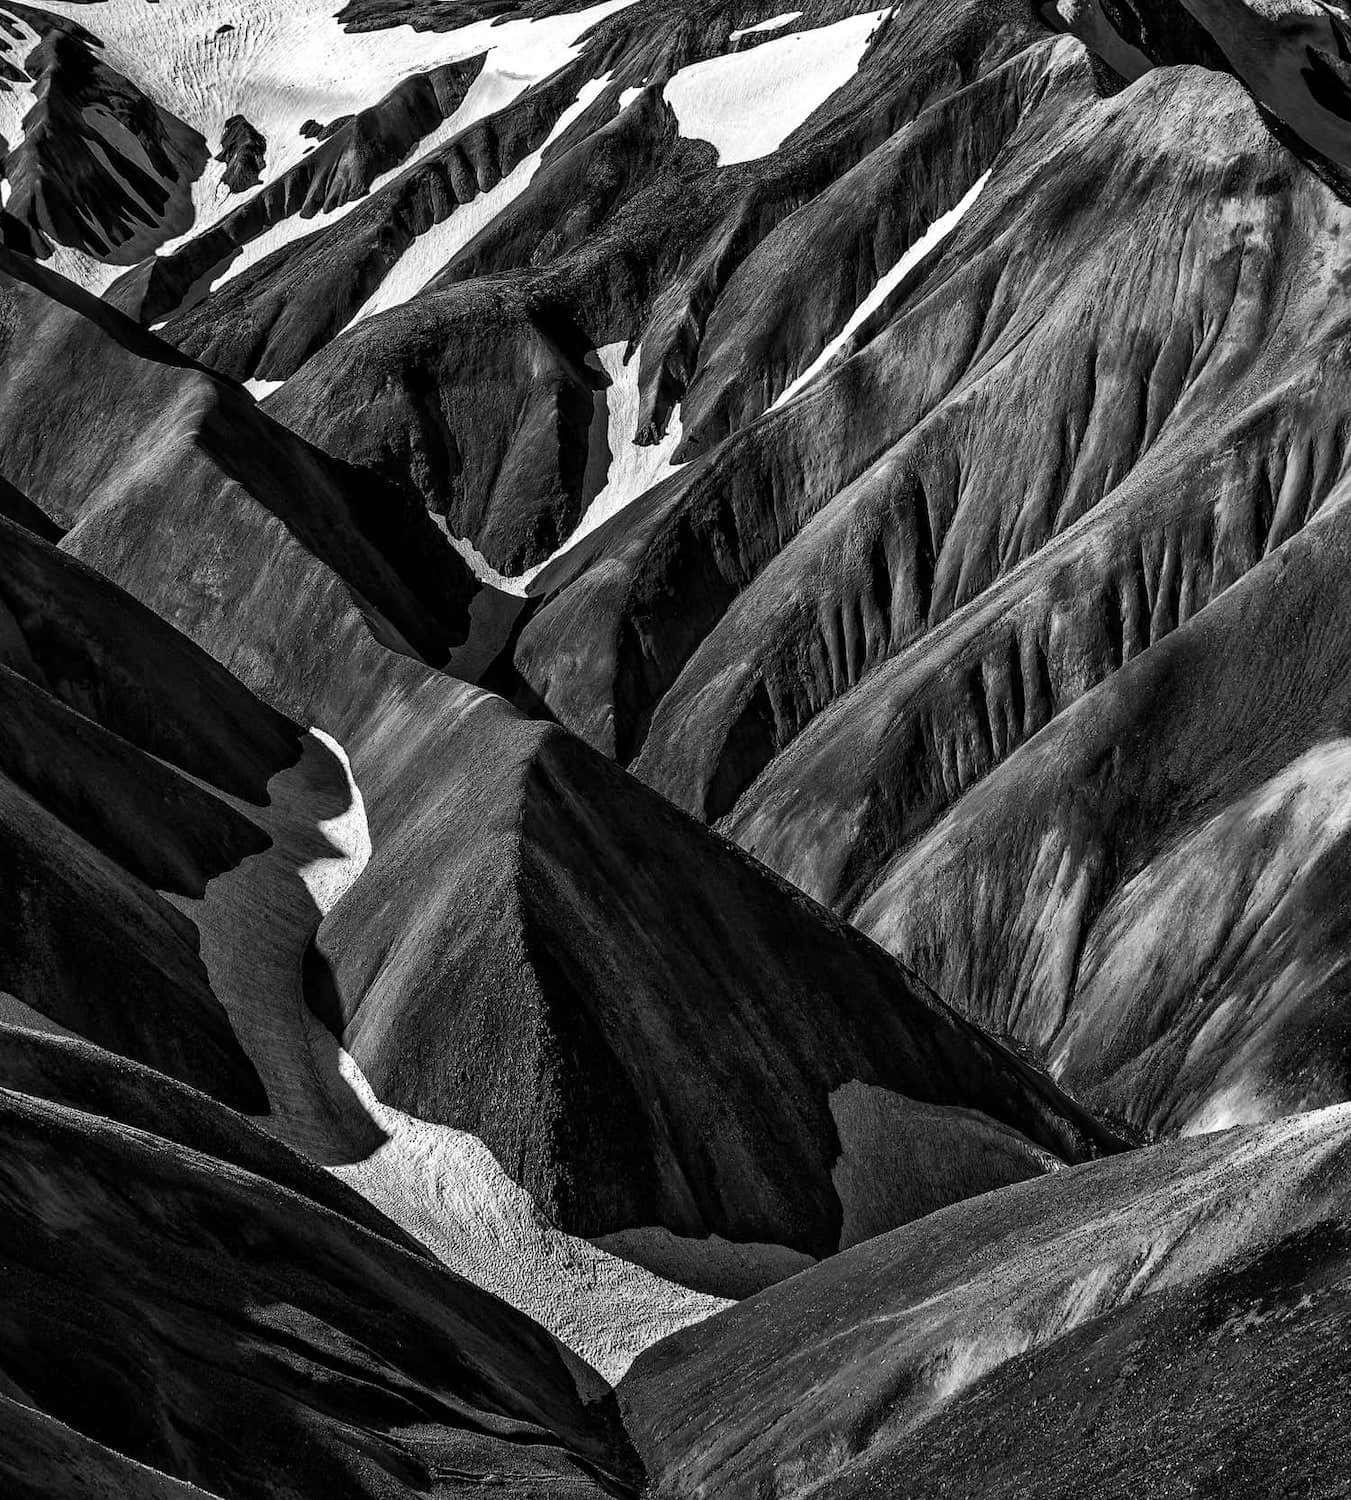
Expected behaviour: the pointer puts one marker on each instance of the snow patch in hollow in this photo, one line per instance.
(775, 23)
(927, 243)
(262, 389)
(634, 469)
(746, 104)
(447, 1189)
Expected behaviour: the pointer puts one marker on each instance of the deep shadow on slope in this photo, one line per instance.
(212, 1320)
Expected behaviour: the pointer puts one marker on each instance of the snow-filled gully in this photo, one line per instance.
(922, 248)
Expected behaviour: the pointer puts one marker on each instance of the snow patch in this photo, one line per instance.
(480, 567)
(329, 878)
(261, 389)
(927, 243)
(432, 251)
(746, 104)
(775, 23)
(445, 1187)
(633, 469)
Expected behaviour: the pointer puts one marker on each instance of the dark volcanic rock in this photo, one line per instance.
(831, 628)
(354, 151)
(323, 1352)
(244, 152)
(915, 443)
(100, 166)
(170, 426)
(644, 1027)
(1114, 1329)
(115, 734)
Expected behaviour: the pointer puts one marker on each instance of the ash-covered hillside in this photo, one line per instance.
(674, 748)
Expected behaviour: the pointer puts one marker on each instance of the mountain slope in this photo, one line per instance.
(1113, 1328)
(710, 1086)
(673, 721)
(359, 1362)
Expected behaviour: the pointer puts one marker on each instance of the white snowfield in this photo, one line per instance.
(446, 1188)
(432, 251)
(279, 65)
(923, 247)
(746, 104)
(634, 469)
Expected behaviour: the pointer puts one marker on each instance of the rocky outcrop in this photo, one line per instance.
(244, 152)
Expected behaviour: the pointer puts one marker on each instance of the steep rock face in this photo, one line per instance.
(244, 152)
(619, 222)
(829, 649)
(270, 318)
(398, 724)
(1207, 870)
(636, 232)
(411, 395)
(908, 439)
(673, 564)
(343, 1357)
(1022, 1342)
(351, 155)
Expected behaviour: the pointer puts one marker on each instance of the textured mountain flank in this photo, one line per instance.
(828, 650)
(97, 166)
(643, 1027)
(1114, 1329)
(165, 425)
